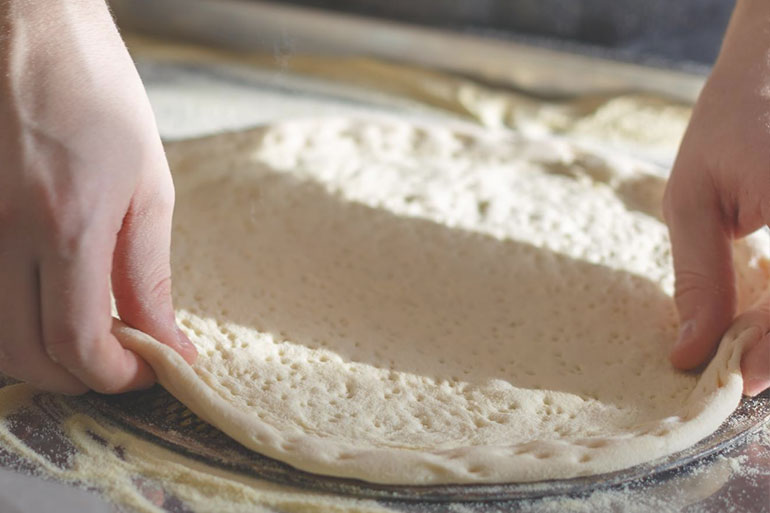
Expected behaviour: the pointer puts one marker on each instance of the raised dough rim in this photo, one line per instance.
(707, 407)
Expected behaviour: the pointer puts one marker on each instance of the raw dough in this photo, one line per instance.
(421, 305)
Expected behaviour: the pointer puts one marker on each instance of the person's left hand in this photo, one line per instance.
(719, 190)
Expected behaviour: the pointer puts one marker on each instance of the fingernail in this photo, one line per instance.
(183, 339)
(686, 332)
(754, 386)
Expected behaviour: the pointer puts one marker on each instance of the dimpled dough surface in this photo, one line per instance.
(417, 304)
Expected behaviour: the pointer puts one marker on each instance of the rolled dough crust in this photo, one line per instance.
(412, 304)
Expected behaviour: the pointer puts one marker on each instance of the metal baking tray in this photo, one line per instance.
(281, 30)
(157, 415)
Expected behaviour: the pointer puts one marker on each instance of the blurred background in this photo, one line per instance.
(614, 74)
(655, 31)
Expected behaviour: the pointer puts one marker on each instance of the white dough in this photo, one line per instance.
(420, 305)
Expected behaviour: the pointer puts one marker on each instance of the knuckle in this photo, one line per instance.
(690, 283)
(70, 349)
(150, 301)
(156, 201)
(17, 363)
(161, 289)
(75, 352)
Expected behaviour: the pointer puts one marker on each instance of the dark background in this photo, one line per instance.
(673, 31)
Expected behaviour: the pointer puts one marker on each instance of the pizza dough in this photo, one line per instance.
(426, 304)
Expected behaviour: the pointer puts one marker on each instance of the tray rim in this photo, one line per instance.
(748, 418)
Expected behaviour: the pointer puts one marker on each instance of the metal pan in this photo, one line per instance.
(157, 415)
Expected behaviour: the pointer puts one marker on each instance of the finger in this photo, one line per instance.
(703, 267)
(76, 319)
(141, 276)
(21, 351)
(755, 367)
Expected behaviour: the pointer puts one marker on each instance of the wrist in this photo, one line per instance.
(64, 69)
(49, 35)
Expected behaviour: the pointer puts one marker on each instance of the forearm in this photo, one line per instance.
(746, 46)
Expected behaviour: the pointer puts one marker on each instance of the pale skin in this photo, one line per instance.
(719, 190)
(86, 199)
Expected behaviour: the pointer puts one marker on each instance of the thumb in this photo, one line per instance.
(141, 272)
(703, 266)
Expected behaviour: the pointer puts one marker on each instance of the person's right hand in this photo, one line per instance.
(85, 196)
(720, 190)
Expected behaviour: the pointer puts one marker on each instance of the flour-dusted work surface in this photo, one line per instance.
(77, 445)
(157, 415)
(72, 443)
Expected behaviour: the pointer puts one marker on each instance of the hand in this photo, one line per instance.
(720, 190)
(85, 196)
